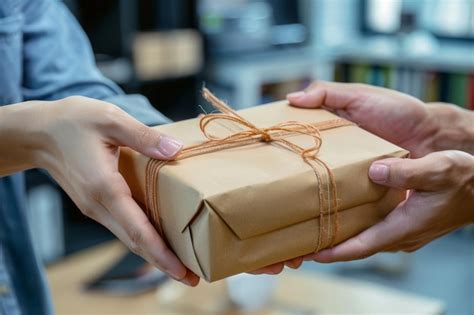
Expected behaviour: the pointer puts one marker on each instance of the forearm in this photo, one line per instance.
(20, 136)
(454, 128)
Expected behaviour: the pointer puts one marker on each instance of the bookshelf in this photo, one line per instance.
(447, 76)
(339, 49)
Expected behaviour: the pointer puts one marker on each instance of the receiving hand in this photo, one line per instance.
(441, 199)
(81, 138)
(441, 184)
(393, 116)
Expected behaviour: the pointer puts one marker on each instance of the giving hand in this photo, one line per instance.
(77, 141)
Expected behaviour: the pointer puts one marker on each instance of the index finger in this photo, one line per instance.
(141, 236)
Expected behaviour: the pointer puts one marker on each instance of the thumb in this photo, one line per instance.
(334, 95)
(379, 237)
(146, 140)
(313, 96)
(421, 174)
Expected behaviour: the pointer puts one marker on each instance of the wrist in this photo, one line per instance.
(22, 136)
(453, 129)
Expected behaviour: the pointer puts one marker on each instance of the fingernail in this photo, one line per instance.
(296, 95)
(169, 147)
(378, 172)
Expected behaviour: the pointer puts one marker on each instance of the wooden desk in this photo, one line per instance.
(297, 292)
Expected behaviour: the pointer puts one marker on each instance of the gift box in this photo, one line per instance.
(260, 186)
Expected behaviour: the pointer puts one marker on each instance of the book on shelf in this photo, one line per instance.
(429, 86)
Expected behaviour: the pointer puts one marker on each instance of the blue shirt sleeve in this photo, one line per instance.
(58, 62)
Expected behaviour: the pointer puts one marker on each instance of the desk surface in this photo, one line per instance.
(297, 292)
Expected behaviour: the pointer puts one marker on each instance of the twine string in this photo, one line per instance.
(250, 134)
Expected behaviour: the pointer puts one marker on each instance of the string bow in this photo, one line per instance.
(247, 134)
(275, 133)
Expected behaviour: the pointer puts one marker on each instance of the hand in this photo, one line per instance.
(397, 117)
(394, 116)
(441, 199)
(81, 139)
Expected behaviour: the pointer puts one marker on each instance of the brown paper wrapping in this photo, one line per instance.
(240, 209)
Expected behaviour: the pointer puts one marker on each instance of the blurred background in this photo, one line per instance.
(253, 51)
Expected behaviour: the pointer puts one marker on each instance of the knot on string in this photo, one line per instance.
(266, 136)
(250, 133)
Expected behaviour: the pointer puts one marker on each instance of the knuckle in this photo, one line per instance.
(449, 161)
(95, 179)
(109, 114)
(110, 110)
(116, 189)
(459, 160)
(144, 136)
(74, 99)
(452, 166)
(104, 190)
(96, 188)
(135, 240)
(406, 175)
(68, 105)
(89, 211)
(363, 251)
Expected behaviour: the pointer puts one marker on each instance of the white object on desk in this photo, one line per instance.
(45, 216)
(251, 292)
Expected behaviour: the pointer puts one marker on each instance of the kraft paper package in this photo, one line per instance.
(268, 184)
